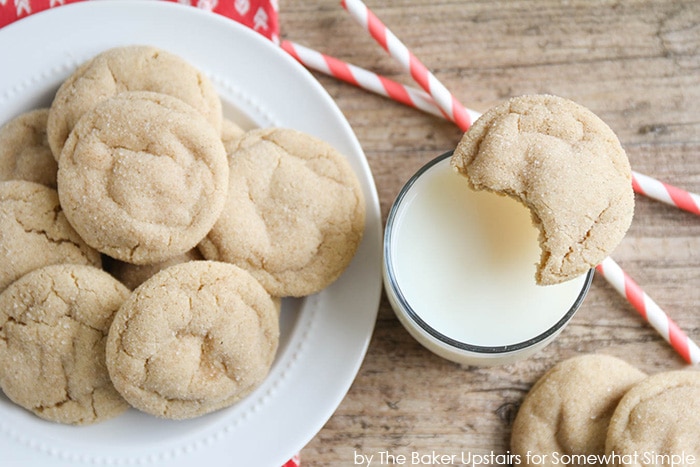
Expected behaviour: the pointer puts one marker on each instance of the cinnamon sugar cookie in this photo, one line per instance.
(567, 411)
(657, 422)
(295, 212)
(53, 328)
(34, 232)
(129, 68)
(24, 150)
(194, 338)
(566, 166)
(143, 177)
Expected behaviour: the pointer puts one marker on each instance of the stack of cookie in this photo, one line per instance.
(600, 410)
(202, 225)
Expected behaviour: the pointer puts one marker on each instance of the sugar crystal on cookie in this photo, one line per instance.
(563, 163)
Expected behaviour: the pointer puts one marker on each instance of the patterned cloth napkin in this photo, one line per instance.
(259, 15)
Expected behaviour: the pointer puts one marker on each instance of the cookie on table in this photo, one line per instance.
(24, 149)
(129, 68)
(34, 232)
(568, 409)
(295, 212)
(192, 339)
(566, 165)
(143, 177)
(53, 330)
(658, 417)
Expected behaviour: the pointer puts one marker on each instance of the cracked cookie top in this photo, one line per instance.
(129, 68)
(54, 323)
(24, 149)
(143, 177)
(295, 212)
(566, 165)
(194, 338)
(35, 232)
(568, 409)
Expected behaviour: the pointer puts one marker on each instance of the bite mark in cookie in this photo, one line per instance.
(566, 165)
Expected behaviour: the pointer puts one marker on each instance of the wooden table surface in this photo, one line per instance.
(634, 63)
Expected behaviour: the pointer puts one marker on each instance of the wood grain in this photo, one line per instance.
(634, 63)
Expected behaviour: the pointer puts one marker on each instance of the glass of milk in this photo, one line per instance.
(459, 271)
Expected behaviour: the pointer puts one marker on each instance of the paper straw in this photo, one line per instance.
(421, 100)
(669, 194)
(454, 110)
(649, 310)
(362, 78)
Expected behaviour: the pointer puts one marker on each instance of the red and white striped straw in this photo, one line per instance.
(649, 310)
(421, 100)
(362, 78)
(669, 194)
(453, 109)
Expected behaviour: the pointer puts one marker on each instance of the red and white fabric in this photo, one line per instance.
(259, 15)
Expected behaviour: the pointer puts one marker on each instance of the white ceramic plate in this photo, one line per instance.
(324, 337)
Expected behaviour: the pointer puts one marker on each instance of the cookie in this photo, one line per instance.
(53, 329)
(194, 338)
(567, 411)
(295, 212)
(230, 132)
(24, 150)
(128, 68)
(133, 275)
(563, 163)
(143, 177)
(657, 423)
(34, 232)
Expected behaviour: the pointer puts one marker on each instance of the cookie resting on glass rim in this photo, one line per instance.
(566, 165)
